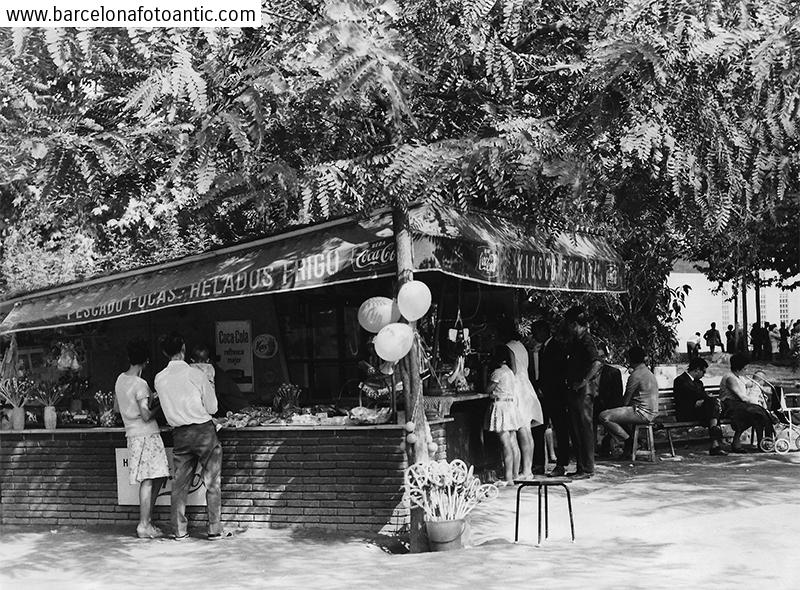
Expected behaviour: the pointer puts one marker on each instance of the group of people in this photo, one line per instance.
(186, 394)
(746, 401)
(560, 387)
(562, 380)
(769, 341)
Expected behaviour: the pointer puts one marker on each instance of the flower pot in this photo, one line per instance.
(50, 420)
(445, 535)
(18, 419)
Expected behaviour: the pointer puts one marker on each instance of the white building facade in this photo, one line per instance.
(705, 305)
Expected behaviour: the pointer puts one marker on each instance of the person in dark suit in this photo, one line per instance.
(583, 373)
(548, 373)
(693, 404)
(609, 394)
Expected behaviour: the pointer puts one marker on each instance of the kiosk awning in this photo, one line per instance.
(473, 245)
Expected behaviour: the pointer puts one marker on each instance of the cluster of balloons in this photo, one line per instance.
(380, 315)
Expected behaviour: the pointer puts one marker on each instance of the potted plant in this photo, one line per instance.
(49, 394)
(447, 493)
(16, 392)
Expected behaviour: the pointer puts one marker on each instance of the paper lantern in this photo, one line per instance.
(414, 300)
(377, 312)
(394, 341)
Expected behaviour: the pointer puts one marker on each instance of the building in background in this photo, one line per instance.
(705, 305)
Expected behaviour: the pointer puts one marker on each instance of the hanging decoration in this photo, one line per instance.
(394, 341)
(377, 312)
(414, 300)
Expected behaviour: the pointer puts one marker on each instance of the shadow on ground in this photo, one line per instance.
(701, 522)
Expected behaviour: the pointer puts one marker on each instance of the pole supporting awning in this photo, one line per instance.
(474, 245)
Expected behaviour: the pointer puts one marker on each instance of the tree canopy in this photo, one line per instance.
(668, 124)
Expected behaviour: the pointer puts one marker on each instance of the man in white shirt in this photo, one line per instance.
(188, 401)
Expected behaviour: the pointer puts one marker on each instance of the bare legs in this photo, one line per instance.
(525, 442)
(148, 493)
(508, 439)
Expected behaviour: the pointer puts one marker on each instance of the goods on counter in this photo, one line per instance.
(362, 415)
(77, 419)
(458, 376)
(394, 341)
(414, 300)
(316, 415)
(377, 312)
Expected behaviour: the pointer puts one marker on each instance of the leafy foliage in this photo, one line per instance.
(667, 119)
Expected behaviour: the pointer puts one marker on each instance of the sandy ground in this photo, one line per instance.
(702, 522)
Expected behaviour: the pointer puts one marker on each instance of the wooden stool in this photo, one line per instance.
(650, 442)
(542, 484)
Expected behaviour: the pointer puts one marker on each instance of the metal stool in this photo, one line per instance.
(544, 483)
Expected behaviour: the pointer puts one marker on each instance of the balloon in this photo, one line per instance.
(414, 300)
(409, 426)
(411, 438)
(432, 447)
(376, 312)
(394, 341)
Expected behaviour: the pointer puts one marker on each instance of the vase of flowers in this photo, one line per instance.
(447, 493)
(15, 392)
(286, 397)
(105, 404)
(49, 394)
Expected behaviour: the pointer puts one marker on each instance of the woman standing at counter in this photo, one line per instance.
(147, 459)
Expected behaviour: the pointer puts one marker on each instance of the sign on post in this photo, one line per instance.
(128, 495)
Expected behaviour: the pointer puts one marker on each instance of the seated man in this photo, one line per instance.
(639, 404)
(693, 404)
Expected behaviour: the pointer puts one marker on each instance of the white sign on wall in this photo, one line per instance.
(128, 495)
(234, 344)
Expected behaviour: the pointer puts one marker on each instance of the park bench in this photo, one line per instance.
(667, 421)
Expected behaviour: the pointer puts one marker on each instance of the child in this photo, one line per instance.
(200, 360)
(503, 415)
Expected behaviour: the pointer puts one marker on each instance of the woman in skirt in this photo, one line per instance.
(147, 460)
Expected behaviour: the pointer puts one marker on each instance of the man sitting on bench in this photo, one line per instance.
(693, 404)
(639, 404)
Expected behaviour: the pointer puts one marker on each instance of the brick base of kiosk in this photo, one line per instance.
(341, 478)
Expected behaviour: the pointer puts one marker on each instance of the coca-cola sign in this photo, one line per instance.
(488, 262)
(375, 255)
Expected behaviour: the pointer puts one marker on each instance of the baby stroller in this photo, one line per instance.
(787, 433)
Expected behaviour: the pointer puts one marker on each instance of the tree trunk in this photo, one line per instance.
(736, 325)
(410, 372)
(745, 325)
(758, 301)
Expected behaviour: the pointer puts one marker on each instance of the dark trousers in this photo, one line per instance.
(581, 413)
(710, 408)
(539, 451)
(193, 444)
(554, 407)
